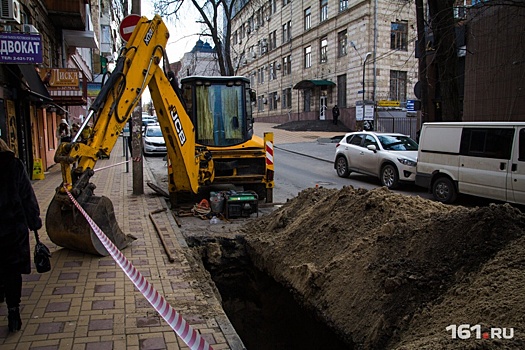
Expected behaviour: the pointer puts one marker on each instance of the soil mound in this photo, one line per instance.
(389, 271)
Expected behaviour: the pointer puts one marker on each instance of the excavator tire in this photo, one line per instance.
(67, 227)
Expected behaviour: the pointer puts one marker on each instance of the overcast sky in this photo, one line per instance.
(182, 33)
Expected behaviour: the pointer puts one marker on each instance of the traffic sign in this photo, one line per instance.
(413, 105)
(127, 26)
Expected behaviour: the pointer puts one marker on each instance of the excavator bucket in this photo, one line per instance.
(67, 227)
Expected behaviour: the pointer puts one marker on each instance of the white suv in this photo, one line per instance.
(389, 156)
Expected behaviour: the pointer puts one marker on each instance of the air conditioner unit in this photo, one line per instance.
(10, 10)
(29, 28)
(278, 66)
(265, 101)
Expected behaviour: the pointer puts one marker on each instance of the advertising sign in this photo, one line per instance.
(60, 77)
(18, 48)
(369, 112)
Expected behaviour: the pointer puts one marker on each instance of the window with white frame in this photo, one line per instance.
(286, 98)
(324, 50)
(261, 100)
(272, 39)
(307, 18)
(272, 101)
(105, 35)
(307, 57)
(342, 43)
(323, 10)
(287, 65)
(260, 75)
(272, 72)
(287, 31)
(272, 6)
(343, 5)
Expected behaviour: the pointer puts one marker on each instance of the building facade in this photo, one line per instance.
(49, 60)
(304, 57)
(201, 60)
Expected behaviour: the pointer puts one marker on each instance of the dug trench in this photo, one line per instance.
(379, 270)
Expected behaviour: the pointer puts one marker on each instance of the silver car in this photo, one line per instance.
(153, 140)
(391, 157)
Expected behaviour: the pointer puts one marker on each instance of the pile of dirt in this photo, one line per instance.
(388, 271)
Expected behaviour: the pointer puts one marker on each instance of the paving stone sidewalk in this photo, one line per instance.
(86, 302)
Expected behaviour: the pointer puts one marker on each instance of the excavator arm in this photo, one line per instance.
(138, 66)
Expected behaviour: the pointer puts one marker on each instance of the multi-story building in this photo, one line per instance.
(303, 57)
(201, 60)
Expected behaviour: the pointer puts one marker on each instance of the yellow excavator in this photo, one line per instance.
(207, 124)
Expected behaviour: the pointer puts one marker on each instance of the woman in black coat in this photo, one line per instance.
(19, 213)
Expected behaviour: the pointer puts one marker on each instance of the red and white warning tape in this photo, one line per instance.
(112, 165)
(189, 336)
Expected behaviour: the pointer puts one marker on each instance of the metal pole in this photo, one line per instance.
(368, 54)
(136, 133)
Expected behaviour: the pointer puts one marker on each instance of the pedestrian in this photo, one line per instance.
(63, 132)
(74, 130)
(335, 114)
(86, 134)
(19, 213)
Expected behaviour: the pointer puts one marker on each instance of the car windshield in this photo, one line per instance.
(154, 132)
(397, 143)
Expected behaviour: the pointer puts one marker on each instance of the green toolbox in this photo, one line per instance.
(241, 204)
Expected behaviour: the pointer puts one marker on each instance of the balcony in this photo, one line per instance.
(67, 14)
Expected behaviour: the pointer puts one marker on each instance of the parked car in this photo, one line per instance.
(153, 141)
(391, 157)
(484, 159)
(148, 121)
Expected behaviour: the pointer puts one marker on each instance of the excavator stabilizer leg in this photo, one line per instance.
(66, 227)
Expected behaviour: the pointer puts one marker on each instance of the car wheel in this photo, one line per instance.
(444, 190)
(341, 166)
(389, 176)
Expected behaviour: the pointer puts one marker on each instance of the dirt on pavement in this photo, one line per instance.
(388, 271)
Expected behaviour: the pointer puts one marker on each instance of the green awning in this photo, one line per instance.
(310, 84)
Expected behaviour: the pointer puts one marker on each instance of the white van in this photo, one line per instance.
(485, 159)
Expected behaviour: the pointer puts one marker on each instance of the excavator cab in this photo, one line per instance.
(220, 109)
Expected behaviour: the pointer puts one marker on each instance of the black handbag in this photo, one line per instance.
(41, 256)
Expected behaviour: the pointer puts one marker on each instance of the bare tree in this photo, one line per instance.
(215, 16)
(443, 25)
(439, 71)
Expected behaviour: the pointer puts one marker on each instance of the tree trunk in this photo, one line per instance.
(443, 27)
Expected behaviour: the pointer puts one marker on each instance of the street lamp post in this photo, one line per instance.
(367, 56)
